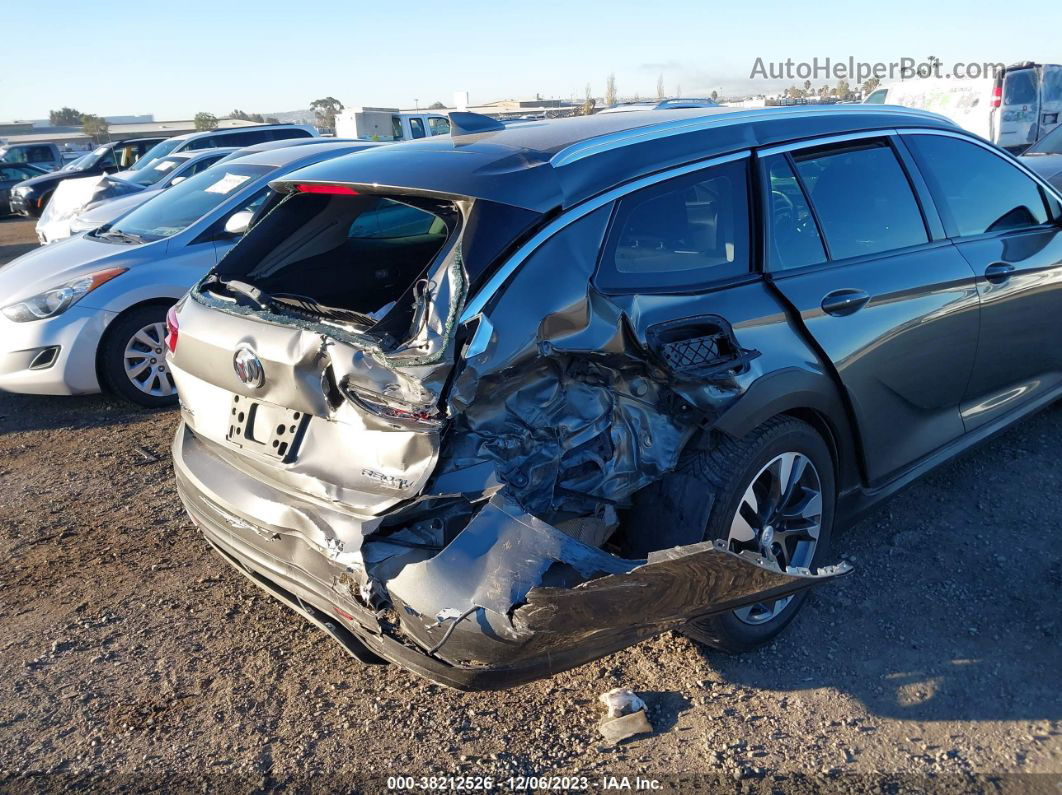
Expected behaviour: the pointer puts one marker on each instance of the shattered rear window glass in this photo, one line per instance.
(359, 254)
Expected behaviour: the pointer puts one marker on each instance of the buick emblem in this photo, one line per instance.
(248, 367)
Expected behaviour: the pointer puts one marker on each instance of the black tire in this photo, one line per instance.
(112, 356)
(726, 469)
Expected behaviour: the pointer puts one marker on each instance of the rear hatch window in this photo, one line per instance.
(346, 260)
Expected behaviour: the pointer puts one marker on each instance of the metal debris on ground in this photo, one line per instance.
(626, 715)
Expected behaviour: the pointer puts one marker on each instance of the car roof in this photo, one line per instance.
(559, 162)
(225, 130)
(292, 154)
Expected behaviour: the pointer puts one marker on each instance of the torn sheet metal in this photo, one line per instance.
(501, 565)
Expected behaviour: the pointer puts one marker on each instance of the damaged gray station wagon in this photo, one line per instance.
(493, 405)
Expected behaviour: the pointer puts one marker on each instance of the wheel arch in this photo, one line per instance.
(807, 396)
(105, 337)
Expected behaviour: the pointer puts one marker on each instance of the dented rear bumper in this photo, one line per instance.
(510, 599)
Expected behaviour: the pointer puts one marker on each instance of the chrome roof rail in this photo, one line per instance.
(604, 143)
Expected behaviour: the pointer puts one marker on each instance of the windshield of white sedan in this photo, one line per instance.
(179, 207)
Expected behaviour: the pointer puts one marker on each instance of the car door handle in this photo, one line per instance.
(999, 272)
(840, 303)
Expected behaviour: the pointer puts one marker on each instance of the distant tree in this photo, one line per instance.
(807, 86)
(637, 97)
(272, 120)
(65, 117)
(870, 85)
(205, 121)
(660, 87)
(94, 127)
(610, 90)
(843, 90)
(715, 95)
(824, 91)
(589, 102)
(325, 111)
(239, 114)
(436, 106)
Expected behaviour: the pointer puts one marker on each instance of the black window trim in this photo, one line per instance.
(1044, 185)
(930, 216)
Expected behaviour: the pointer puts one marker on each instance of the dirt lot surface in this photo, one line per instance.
(132, 656)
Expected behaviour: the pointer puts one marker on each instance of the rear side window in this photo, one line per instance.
(438, 125)
(794, 236)
(416, 126)
(975, 190)
(862, 198)
(680, 234)
(284, 133)
(877, 97)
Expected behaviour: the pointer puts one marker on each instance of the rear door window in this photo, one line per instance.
(794, 240)
(976, 191)
(862, 198)
(681, 234)
(416, 126)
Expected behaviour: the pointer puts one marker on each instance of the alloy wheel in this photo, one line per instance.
(779, 517)
(145, 361)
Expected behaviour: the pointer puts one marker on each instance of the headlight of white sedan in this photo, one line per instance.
(58, 299)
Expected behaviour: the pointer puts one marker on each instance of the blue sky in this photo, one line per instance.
(174, 59)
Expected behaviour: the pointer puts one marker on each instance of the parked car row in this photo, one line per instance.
(456, 400)
(31, 197)
(1012, 109)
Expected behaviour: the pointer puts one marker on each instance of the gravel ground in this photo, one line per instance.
(133, 657)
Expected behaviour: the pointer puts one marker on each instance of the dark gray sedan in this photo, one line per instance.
(10, 175)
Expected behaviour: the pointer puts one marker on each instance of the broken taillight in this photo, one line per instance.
(412, 418)
(341, 190)
(172, 329)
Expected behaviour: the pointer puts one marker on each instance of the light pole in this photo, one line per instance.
(416, 103)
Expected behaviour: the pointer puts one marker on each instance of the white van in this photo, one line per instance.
(1013, 109)
(389, 124)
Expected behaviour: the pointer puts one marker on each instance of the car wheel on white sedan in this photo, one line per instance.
(133, 358)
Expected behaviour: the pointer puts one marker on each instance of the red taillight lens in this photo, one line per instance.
(172, 329)
(340, 190)
(997, 95)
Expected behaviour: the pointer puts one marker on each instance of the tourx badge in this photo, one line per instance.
(248, 367)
